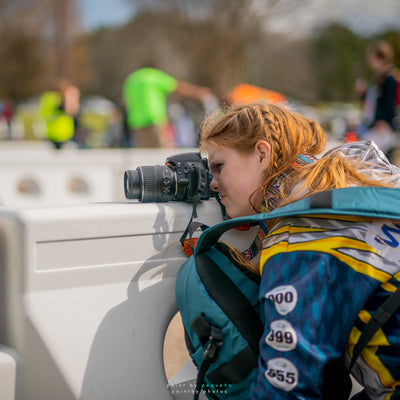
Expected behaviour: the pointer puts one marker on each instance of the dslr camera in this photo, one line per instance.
(184, 177)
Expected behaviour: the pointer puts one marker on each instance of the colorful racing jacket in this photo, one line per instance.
(322, 278)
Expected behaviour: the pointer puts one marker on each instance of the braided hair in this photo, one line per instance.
(289, 134)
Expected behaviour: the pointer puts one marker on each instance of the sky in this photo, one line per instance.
(363, 16)
(98, 13)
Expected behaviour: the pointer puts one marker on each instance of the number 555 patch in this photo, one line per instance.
(282, 374)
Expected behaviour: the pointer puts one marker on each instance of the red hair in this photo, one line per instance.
(289, 135)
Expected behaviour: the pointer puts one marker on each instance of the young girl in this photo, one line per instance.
(330, 271)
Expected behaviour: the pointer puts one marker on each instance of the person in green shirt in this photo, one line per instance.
(59, 126)
(145, 93)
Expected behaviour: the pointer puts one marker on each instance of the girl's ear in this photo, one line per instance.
(263, 151)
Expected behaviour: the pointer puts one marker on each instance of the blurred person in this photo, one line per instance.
(379, 98)
(71, 106)
(145, 93)
(6, 114)
(185, 130)
(71, 98)
(59, 126)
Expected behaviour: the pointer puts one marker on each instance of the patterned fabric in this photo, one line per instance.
(272, 194)
(318, 273)
(322, 279)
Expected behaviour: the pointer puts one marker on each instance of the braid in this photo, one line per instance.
(275, 130)
(288, 133)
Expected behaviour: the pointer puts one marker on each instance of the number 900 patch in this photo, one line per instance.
(284, 298)
(282, 374)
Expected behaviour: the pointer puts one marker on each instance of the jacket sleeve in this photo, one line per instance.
(310, 301)
(386, 106)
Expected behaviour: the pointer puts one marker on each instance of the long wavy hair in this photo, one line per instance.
(289, 134)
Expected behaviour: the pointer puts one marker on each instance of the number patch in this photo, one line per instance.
(282, 336)
(284, 298)
(282, 374)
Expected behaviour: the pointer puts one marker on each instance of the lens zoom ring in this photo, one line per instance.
(150, 187)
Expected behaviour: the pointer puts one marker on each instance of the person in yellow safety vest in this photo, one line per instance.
(59, 125)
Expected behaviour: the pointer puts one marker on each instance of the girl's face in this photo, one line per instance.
(375, 62)
(237, 175)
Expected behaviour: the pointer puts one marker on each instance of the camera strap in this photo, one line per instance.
(192, 226)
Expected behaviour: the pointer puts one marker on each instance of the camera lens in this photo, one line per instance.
(150, 184)
(132, 184)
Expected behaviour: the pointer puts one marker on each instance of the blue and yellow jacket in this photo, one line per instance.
(322, 278)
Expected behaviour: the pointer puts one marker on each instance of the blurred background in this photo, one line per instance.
(310, 51)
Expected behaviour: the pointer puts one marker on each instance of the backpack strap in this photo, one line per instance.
(230, 299)
(209, 356)
(240, 310)
(379, 318)
(374, 202)
(322, 200)
(234, 371)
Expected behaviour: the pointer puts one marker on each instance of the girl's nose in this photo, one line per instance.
(214, 185)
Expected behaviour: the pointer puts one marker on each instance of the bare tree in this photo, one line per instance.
(20, 48)
(36, 38)
(218, 41)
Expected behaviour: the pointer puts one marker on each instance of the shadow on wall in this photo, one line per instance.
(126, 357)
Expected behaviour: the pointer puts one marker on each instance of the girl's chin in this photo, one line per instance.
(233, 214)
(237, 213)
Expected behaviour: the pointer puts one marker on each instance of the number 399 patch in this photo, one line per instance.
(282, 374)
(282, 336)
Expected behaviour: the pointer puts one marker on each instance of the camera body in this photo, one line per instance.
(184, 177)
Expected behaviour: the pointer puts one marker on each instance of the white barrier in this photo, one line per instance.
(87, 295)
(38, 175)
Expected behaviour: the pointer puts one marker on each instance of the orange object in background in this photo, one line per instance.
(245, 93)
(350, 137)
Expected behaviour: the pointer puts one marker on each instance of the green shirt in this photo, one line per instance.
(59, 125)
(145, 94)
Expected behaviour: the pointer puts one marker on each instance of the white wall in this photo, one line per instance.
(87, 294)
(38, 175)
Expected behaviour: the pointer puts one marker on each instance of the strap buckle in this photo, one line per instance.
(216, 341)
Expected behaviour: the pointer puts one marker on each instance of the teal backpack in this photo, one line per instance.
(218, 298)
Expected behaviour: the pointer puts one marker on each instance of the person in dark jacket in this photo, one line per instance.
(380, 97)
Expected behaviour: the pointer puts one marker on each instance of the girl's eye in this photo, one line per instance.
(216, 167)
